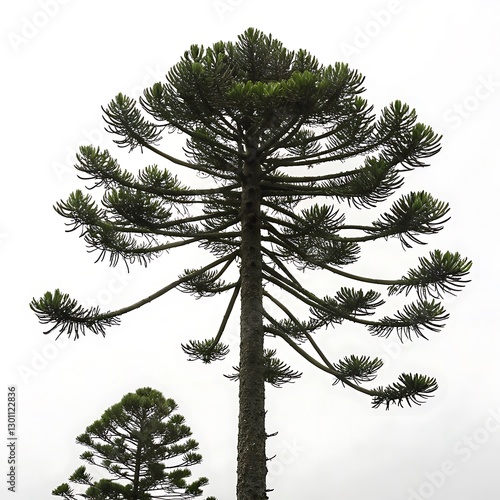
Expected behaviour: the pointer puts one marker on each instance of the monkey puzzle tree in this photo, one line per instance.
(144, 446)
(268, 128)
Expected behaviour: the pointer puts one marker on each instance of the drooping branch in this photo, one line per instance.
(291, 287)
(276, 372)
(100, 166)
(211, 349)
(316, 252)
(299, 327)
(438, 274)
(299, 253)
(413, 214)
(410, 388)
(411, 320)
(350, 305)
(208, 283)
(70, 317)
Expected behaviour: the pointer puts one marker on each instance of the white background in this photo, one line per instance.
(61, 62)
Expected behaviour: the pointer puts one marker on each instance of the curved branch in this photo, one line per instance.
(317, 158)
(283, 268)
(304, 331)
(69, 316)
(198, 168)
(169, 287)
(293, 289)
(291, 247)
(326, 369)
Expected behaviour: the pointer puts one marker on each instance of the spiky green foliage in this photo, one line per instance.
(410, 388)
(358, 369)
(321, 154)
(144, 448)
(276, 372)
(68, 315)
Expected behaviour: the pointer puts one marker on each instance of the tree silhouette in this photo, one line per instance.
(268, 128)
(144, 446)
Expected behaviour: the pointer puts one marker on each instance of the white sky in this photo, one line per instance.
(62, 60)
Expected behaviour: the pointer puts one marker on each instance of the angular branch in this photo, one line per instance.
(211, 349)
(206, 284)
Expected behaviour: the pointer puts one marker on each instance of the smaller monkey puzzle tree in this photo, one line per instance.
(145, 449)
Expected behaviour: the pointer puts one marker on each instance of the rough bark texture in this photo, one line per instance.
(252, 469)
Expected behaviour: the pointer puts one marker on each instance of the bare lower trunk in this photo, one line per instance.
(252, 469)
(135, 492)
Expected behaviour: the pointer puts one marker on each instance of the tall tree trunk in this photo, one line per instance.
(251, 484)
